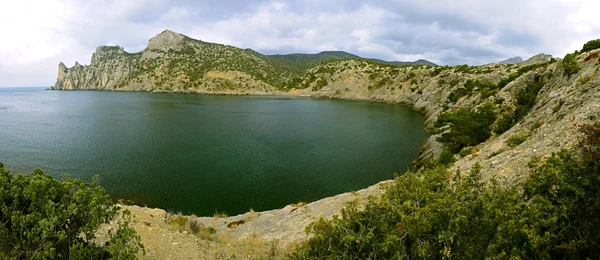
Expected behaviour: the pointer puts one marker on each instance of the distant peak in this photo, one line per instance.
(513, 60)
(165, 40)
(538, 58)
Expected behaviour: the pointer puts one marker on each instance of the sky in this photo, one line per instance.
(37, 35)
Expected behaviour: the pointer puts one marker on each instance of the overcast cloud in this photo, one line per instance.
(36, 35)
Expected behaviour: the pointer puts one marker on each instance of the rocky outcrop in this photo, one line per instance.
(109, 66)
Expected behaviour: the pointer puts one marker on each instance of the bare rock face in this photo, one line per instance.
(165, 41)
(109, 65)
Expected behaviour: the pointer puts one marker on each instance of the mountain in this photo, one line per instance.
(405, 63)
(514, 60)
(535, 59)
(175, 62)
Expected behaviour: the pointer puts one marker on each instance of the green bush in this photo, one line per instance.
(507, 80)
(456, 94)
(485, 87)
(446, 157)
(516, 140)
(43, 218)
(591, 45)
(468, 127)
(526, 98)
(321, 82)
(569, 65)
(426, 215)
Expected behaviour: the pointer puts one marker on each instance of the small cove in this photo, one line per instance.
(199, 154)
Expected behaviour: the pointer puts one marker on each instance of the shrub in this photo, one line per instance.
(506, 121)
(536, 125)
(43, 218)
(446, 157)
(570, 65)
(462, 69)
(466, 151)
(591, 45)
(320, 84)
(521, 71)
(516, 140)
(526, 98)
(467, 127)
(456, 94)
(507, 80)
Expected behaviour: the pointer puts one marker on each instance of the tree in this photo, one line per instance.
(43, 218)
(467, 127)
(570, 65)
(591, 45)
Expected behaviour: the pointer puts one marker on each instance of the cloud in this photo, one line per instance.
(39, 34)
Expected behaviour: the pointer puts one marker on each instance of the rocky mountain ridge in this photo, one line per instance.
(173, 62)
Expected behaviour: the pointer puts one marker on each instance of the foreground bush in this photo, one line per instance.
(43, 218)
(554, 216)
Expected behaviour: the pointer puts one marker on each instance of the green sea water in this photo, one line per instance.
(198, 154)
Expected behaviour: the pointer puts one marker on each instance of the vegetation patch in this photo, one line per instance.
(467, 127)
(570, 65)
(44, 218)
(591, 45)
(516, 140)
(526, 98)
(431, 215)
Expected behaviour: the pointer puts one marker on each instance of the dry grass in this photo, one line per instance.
(183, 223)
(219, 215)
